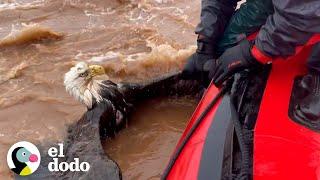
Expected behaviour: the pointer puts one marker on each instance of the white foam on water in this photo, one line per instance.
(105, 57)
(135, 57)
(96, 57)
(163, 1)
(108, 11)
(22, 5)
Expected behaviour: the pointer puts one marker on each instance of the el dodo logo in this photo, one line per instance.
(55, 165)
(23, 158)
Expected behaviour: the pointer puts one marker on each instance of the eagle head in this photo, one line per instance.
(79, 83)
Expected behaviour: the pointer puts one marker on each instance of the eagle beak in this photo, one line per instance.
(96, 70)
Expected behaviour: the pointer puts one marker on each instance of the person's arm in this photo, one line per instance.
(291, 25)
(215, 15)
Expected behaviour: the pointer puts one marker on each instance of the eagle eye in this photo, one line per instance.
(84, 74)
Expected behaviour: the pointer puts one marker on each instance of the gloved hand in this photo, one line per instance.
(232, 61)
(194, 68)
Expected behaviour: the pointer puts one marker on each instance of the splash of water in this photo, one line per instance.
(29, 34)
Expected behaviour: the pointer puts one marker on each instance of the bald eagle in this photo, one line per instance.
(80, 83)
(108, 106)
(117, 99)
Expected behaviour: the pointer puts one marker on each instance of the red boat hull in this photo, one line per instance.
(283, 149)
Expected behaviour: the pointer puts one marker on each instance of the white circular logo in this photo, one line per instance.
(23, 158)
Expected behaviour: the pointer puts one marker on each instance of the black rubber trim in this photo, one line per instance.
(193, 128)
(297, 95)
(220, 133)
(245, 156)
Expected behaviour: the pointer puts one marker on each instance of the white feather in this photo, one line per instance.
(83, 89)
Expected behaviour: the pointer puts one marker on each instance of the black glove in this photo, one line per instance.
(232, 61)
(194, 68)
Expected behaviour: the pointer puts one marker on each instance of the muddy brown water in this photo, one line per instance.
(134, 40)
(144, 148)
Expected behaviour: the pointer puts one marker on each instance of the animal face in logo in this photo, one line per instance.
(23, 155)
(23, 158)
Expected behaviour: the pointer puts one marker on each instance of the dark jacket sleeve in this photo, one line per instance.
(292, 24)
(215, 14)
